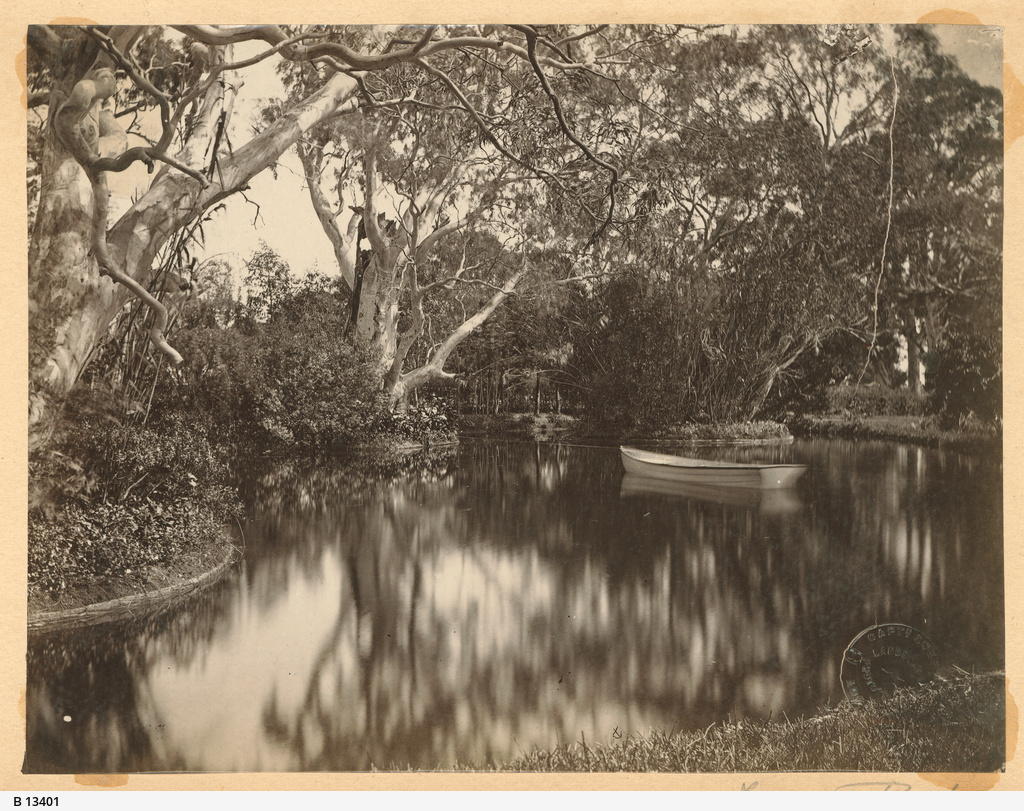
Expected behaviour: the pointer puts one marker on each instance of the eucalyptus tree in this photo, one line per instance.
(427, 218)
(89, 80)
(746, 245)
(909, 192)
(946, 242)
(413, 185)
(802, 188)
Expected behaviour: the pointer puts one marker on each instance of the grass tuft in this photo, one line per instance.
(950, 725)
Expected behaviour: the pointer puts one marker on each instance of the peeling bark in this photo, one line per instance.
(388, 271)
(73, 304)
(433, 369)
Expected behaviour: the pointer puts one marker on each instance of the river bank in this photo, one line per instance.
(912, 430)
(915, 430)
(555, 427)
(106, 598)
(957, 724)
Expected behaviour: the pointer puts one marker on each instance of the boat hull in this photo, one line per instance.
(707, 472)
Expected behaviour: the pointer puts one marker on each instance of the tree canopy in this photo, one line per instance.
(678, 220)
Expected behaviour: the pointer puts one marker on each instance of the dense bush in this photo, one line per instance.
(136, 473)
(113, 461)
(293, 378)
(811, 386)
(107, 539)
(681, 347)
(875, 400)
(433, 420)
(113, 497)
(966, 373)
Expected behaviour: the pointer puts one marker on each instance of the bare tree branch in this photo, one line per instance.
(556, 103)
(326, 215)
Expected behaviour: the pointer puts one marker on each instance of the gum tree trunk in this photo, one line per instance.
(73, 305)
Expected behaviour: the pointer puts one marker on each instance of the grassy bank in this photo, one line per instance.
(563, 426)
(954, 725)
(93, 598)
(910, 429)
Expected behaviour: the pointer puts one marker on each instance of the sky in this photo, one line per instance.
(285, 220)
(978, 49)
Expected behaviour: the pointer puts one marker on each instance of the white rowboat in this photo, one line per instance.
(708, 472)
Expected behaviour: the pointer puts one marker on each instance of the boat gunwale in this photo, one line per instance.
(689, 463)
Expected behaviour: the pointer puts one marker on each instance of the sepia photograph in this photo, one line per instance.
(487, 398)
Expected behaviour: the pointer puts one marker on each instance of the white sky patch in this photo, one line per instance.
(978, 49)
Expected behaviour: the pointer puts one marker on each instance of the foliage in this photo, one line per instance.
(109, 540)
(664, 352)
(875, 400)
(948, 156)
(746, 282)
(110, 497)
(284, 373)
(268, 283)
(967, 376)
(100, 459)
(432, 420)
(523, 353)
(173, 462)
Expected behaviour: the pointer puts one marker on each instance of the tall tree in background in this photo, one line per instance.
(83, 269)
(761, 215)
(946, 257)
(738, 260)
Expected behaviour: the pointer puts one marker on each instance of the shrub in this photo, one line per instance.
(967, 377)
(122, 484)
(114, 462)
(114, 497)
(875, 400)
(433, 420)
(114, 539)
(294, 380)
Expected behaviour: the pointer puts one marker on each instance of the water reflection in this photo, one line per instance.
(512, 595)
(783, 500)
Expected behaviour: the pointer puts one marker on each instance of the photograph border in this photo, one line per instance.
(14, 367)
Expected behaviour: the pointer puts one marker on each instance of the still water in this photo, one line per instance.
(512, 595)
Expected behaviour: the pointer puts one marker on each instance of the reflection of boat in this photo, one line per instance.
(773, 500)
(707, 472)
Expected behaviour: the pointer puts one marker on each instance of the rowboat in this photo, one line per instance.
(706, 471)
(775, 501)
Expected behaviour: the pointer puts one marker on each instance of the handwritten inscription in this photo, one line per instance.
(874, 785)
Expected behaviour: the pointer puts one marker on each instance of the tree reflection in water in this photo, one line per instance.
(511, 595)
